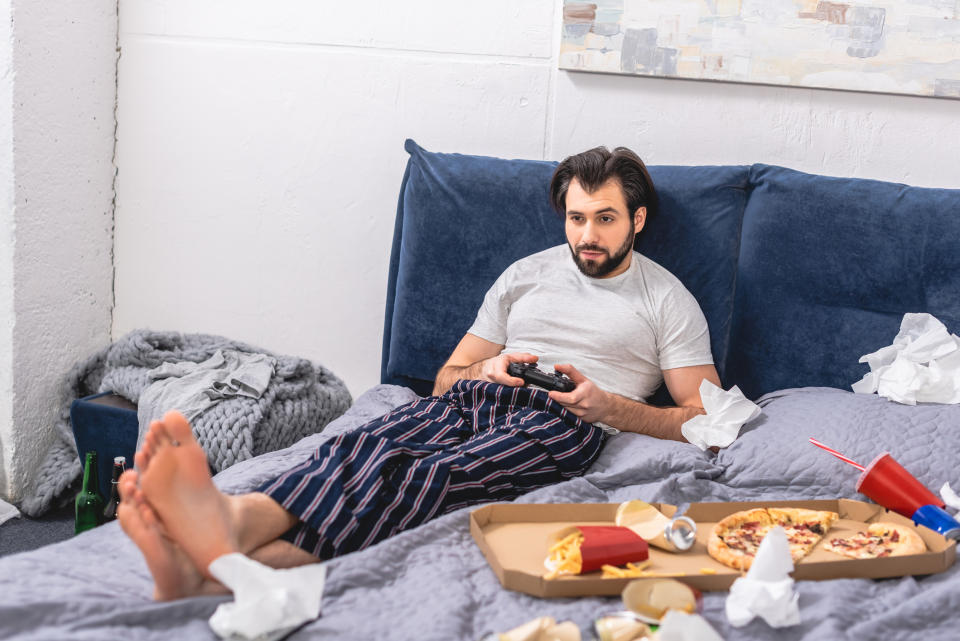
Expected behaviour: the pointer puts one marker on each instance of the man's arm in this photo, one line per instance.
(592, 404)
(476, 358)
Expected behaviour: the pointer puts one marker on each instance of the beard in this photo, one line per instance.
(602, 267)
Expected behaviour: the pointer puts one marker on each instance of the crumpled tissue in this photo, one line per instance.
(767, 589)
(265, 600)
(680, 626)
(539, 629)
(7, 512)
(921, 366)
(950, 497)
(726, 412)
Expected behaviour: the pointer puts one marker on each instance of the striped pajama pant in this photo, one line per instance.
(479, 442)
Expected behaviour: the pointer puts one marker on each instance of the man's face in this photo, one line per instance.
(600, 230)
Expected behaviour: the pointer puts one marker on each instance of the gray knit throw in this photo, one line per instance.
(300, 400)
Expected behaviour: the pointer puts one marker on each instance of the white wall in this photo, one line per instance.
(684, 122)
(261, 151)
(57, 102)
(6, 244)
(260, 148)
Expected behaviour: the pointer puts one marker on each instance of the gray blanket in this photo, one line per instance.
(300, 399)
(432, 583)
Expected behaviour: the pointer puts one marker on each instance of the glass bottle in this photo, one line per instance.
(89, 504)
(110, 512)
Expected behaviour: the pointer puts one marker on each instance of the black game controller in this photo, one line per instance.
(533, 376)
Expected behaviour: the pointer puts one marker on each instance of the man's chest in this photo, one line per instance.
(582, 319)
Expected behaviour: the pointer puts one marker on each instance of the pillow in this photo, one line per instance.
(773, 458)
(827, 269)
(461, 221)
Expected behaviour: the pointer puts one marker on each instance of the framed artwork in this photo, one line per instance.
(889, 46)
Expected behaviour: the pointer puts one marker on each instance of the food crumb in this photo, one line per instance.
(708, 571)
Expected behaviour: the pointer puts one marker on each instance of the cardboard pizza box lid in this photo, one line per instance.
(514, 538)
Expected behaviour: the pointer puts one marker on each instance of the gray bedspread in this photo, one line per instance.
(432, 583)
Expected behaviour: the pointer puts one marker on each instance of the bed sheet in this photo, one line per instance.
(432, 583)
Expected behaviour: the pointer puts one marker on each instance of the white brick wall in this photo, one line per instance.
(57, 104)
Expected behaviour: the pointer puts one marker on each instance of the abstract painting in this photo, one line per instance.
(890, 46)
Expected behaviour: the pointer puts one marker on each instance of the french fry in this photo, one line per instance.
(565, 556)
(631, 571)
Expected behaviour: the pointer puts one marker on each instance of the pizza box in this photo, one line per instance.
(514, 538)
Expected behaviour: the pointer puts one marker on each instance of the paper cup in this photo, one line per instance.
(889, 484)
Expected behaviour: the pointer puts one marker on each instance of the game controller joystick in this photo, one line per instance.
(531, 375)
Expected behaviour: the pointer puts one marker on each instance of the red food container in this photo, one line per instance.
(610, 545)
(889, 484)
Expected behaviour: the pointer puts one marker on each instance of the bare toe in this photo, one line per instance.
(157, 436)
(148, 515)
(127, 485)
(177, 427)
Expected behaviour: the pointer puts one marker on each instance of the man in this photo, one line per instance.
(622, 318)
(625, 321)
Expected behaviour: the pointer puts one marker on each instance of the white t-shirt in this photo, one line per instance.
(620, 332)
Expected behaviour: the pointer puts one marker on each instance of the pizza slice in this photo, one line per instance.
(880, 540)
(734, 541)
(804, 527)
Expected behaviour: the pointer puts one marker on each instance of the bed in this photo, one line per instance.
(798, 276)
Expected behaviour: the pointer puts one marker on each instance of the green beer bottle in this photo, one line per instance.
(89, 503)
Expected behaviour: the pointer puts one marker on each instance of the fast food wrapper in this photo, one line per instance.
(653, 598)
(596, 546)
(539, 629)
(680, 626)
(673, 535)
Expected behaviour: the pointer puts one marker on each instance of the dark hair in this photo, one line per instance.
(595, 167)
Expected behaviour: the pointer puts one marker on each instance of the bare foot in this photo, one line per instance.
(174, 575)
(177, 485)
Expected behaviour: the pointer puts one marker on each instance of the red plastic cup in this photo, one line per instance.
(889, 484)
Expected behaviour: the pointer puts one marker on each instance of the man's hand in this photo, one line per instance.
(494, 369)
(587, 401)
(592, 404)
(476, 358)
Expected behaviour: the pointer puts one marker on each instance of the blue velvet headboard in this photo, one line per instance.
(798, 275)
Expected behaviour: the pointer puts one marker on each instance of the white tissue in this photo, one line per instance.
(921, 366)
(950, 497)
(265, 600)
(767, 589)
(7, 512)
(726, 412)
(680, 626)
